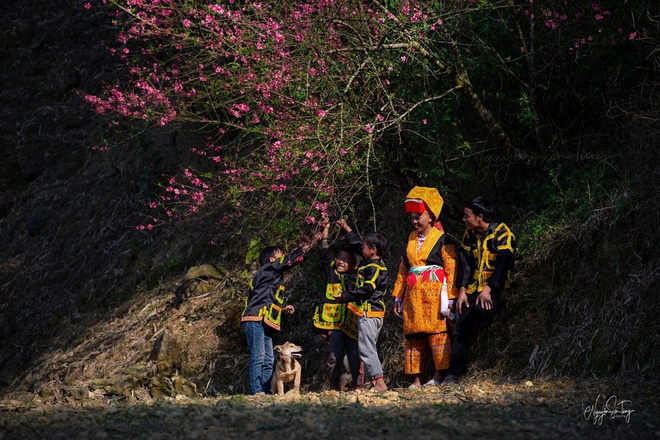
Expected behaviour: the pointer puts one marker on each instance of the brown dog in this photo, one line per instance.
(287, 369)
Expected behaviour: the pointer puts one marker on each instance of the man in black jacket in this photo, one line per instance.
(484, 269)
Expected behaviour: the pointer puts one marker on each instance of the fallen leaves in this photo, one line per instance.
(548, 409)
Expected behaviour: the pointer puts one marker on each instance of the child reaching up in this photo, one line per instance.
(263, 311)
(331, 319)
(366, 300)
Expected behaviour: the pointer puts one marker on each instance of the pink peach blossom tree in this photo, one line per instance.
(308, 101)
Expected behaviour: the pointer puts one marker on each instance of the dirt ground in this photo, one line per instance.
(559, 408)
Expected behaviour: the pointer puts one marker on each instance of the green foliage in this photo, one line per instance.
(525, 115)
(253, 251)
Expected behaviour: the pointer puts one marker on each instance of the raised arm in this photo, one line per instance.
(371, 280)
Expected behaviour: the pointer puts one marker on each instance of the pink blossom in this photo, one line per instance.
(278, 166)
(323, 207)
(198, 197)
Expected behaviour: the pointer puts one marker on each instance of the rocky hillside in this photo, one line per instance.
(70, 258)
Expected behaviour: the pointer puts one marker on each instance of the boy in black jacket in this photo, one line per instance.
(263, 311)
(366, 300)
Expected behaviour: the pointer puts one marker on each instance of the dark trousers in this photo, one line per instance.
(466, 325)
(342, 345)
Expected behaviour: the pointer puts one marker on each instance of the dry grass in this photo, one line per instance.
(584, 304)
(507, 409)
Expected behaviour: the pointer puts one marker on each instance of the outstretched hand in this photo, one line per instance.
(315, 239)
(341, 223)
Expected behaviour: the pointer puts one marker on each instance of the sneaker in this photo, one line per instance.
(450, 379)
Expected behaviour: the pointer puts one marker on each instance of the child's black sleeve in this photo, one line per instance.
(373, 277)
(290, 261)
(354, 241)
(326, 262)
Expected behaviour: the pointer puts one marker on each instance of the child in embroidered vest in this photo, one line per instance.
(263, 311)
(332, 320)
(366, 300)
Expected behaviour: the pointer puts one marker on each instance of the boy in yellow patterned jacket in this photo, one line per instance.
(331, 318)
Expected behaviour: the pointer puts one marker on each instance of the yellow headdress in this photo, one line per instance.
(422, 198)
